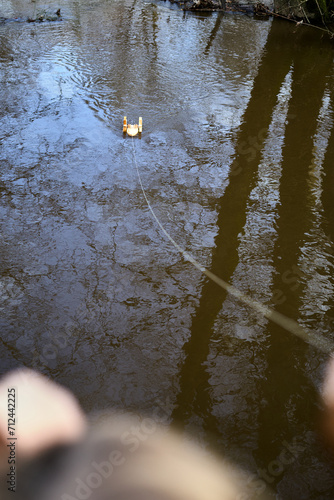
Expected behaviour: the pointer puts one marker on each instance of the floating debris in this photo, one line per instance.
(200, 4)
(41, 17)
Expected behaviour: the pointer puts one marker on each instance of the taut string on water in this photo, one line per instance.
(317, 340)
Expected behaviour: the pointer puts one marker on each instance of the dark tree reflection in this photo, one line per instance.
(287, 397)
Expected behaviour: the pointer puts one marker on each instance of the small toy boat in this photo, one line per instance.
(132, 130)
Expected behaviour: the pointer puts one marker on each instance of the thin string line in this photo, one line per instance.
(314, 339)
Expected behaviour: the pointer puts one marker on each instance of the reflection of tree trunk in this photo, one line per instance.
(328, 206)
(328, 185)
(289, 395)
(214, 32)
(194, 384)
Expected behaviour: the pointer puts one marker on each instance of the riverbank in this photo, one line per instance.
(290, 10)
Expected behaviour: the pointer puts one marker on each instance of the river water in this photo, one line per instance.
(236, 157)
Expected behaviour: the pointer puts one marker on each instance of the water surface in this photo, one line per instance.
(237, 159)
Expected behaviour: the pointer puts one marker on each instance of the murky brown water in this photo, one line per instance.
(237, 159)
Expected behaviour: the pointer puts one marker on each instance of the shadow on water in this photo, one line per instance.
(328, 184)
(289, 395)
(280, 388)
(232, 217)
(327, 202)
(214, 32)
